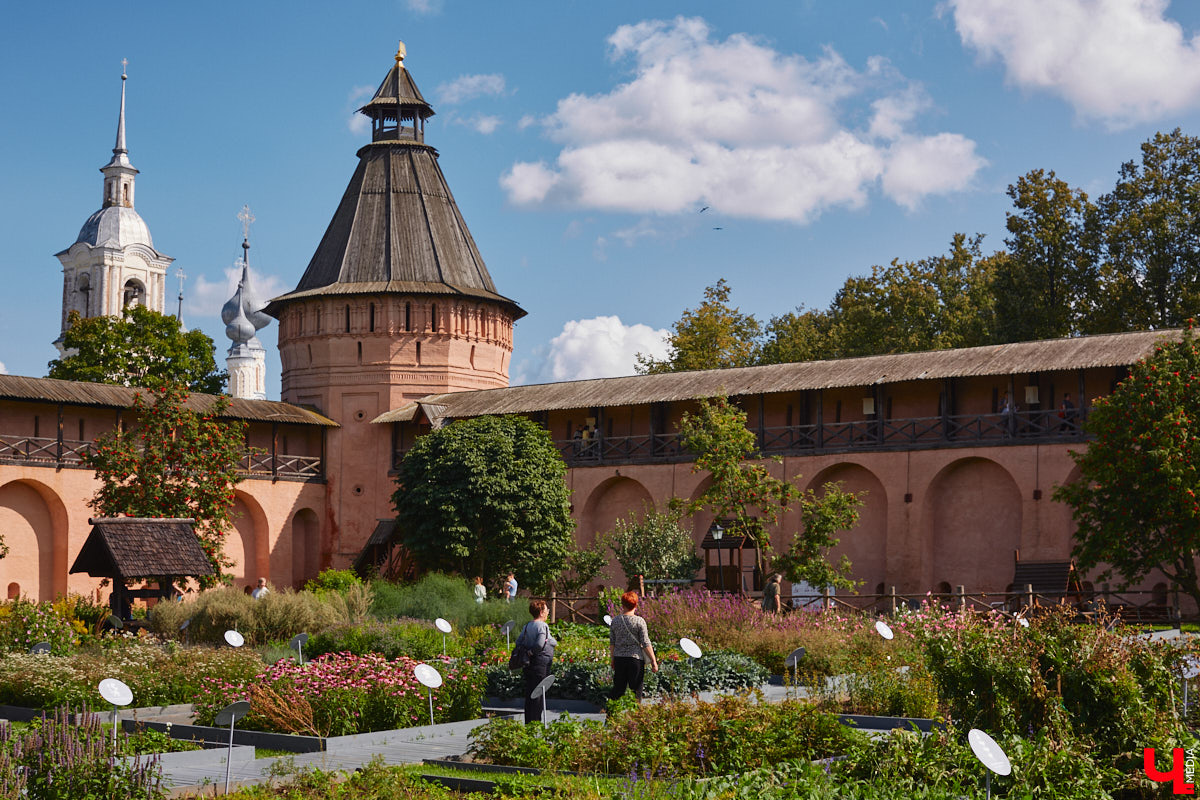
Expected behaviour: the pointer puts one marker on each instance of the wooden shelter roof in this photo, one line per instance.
(1046, 577)
(125, 548)
(1084, 352)
(81, 393)
(398, 88)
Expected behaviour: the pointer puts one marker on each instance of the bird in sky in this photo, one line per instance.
(704, 209)
(718, 229)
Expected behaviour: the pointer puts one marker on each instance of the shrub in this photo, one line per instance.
(1076, 682)
(438, 595)
(24, 623)
(654, 544)
(333, 580)
(592, 680)
(733, 734)
(413, 639)
(343, 694)
(277, 616)
(60, 760)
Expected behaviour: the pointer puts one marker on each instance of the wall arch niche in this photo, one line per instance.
(33, 522)
(613, 499)
(972, 525)
(306, 546)
(865, 544)
(246, 544)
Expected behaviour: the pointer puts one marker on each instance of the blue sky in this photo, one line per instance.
(580, 139)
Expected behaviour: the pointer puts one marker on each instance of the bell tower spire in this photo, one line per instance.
(119, 174)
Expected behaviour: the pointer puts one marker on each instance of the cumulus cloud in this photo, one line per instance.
(3, 369)
(358, 97)
(468, 87)
(738, 126)
(1117, 61)
(601, 347)
(204, 298)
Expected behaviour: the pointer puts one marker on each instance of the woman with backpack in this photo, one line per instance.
(629, 640)
(535, 637)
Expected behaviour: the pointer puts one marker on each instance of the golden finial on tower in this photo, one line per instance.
(400, 54)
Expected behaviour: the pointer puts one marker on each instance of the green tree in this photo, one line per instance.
(139, 348)
(1136, 503)
(822, 517)
(745, 493)
(1151, 224)
(176, 463)
(931, 304)
(1047, 283)
(583, 565)
(653, 544)
(800, 335)
(484, 496)
(712, 336)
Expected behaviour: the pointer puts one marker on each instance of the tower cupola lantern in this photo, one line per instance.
(398, 110)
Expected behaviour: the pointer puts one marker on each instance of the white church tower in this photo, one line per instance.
(243, 318)
(113, 263)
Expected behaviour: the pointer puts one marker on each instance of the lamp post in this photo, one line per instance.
(717, 534)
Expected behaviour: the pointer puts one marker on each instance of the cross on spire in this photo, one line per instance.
(124, 63)
(246, 217)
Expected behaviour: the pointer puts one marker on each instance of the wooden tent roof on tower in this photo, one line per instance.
(397, 228)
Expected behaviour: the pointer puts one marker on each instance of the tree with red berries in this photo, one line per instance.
(1137, 501)
(177, 463)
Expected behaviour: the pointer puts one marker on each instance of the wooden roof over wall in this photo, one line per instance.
(1084, 352)
(125, 548)
(79, 393)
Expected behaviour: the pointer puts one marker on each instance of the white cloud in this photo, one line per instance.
(932, 165)
(424, 7)
(204, 298)
(467, 87)
(3, 369)
(358, 97)
(601, 347)
(1118, 61)
(736, 126)
(485, 123)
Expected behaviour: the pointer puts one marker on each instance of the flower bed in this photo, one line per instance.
(341, 694)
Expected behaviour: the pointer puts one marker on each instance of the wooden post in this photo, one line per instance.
(827, 593)
(641, 585)
(893, 600)
(1029, 595)
(553, 604)
(962, 597)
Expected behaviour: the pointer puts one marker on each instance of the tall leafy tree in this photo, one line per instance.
(1151, 221)
(1046, 285)
(139, 348)
(800, 335)
(744, 492)
(484, 496)
(712, 335)
(931, 304)
(175, 463)
(1137, 500)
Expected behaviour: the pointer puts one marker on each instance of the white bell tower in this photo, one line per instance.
(243, 318)
(113, 263)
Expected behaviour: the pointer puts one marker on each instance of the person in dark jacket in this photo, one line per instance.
(536, 636)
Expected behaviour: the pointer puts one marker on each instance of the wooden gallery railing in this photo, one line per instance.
(46, 452)
(949, 430)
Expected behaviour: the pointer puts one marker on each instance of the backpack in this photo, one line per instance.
(521, 654)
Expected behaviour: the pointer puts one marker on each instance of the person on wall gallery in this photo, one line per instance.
(629, 641)
(535, 636)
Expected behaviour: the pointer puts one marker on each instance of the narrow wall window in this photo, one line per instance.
(37, 426)
(408, 317)
(310, 354)
(371, 318)
(433, 317)
(82, 438)
(360, 352)
(347, 319)
(418, 354)
(472, 356)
